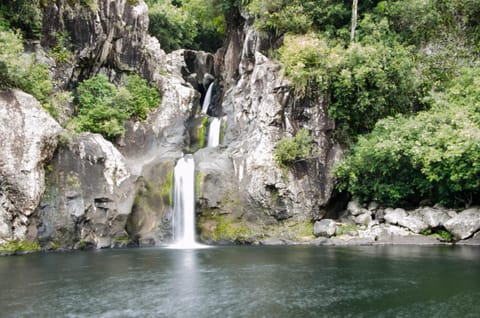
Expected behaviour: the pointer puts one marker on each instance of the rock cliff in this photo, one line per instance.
(29, 138)
(90, 192)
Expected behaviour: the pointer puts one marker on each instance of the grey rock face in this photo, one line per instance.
(89, 195)
(29, 138)
(109, 36)
(465, 223)
(260, 110)
(325, 228)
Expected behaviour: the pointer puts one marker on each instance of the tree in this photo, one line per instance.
(354, 20)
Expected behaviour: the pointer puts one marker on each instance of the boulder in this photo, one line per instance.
(355, 208)
(432, 217)
(410, 221)
(324, 228)
(29, 139)
(464, 224)
(89, 195)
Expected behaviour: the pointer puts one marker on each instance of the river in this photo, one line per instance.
(375, 281)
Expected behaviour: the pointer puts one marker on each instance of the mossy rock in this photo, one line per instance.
(14, 247)
(222, 228)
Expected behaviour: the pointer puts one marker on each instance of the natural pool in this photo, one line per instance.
(236, 281)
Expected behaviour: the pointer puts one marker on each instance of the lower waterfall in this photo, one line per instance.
(183, 221)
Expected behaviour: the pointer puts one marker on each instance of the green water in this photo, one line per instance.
(244, 282)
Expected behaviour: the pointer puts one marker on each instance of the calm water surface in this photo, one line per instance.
(244, 282)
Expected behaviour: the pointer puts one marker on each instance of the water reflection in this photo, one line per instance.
(244, 282)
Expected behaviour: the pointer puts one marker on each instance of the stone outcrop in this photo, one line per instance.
(106, 35)
(464, 224)
(88, 198)
(325, 228)
(29, 138)
(260, 109)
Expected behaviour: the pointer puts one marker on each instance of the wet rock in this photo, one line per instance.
(325, 228)
(464, 224)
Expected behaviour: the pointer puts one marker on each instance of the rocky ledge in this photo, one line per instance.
(372, 224)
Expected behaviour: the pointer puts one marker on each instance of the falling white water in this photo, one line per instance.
(184, 204)
(208, 99)
(214, 132)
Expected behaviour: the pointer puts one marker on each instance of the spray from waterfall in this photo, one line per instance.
(214, 132)
(208, 99)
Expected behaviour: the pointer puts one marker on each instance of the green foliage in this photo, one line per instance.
(372, 82)
(61, 52)
(142, 97)
(290, 150)
(433, 155)
(440, 234)
(309, 62)
(279, 16)
(192, 24)
(19, 246)
(23, 15)
(104, 107)
(11, 49)
(365, 82)
(19, 70)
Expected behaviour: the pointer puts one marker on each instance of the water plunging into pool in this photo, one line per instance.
(184, 204)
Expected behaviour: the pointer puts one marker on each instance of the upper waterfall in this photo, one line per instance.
(208, 99)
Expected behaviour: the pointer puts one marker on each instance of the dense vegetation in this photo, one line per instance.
(401, 85)
(104, 107)
(411, 127)
(192, 24)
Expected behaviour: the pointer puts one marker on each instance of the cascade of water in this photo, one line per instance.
(208, 99)
(214, 132)
(184, 203)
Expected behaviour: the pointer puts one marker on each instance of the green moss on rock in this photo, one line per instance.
(19, 247)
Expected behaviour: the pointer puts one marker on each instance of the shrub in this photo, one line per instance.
(309, 62)
(104, 107)
(191, 24)
(24, 15)
(432, 155)
(290, 150)
(372, 82)
(19, 70)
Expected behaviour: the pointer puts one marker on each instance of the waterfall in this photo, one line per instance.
(214, 132)
(208, 99)
(184, 203)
